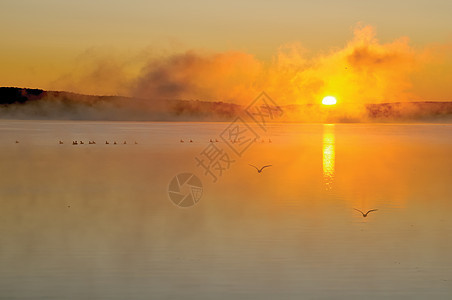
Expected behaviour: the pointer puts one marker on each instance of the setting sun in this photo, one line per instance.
(329, 100)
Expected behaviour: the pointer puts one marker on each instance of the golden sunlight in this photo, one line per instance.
(328, 155)
(329, 100)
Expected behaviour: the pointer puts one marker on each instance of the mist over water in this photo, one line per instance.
(96, 222)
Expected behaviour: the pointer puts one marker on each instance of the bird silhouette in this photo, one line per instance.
(365, 214)
(260, 170)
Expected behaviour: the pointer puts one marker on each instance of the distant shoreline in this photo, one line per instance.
(36, 104)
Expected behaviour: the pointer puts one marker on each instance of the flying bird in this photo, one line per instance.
(260, 170)
(365, 214)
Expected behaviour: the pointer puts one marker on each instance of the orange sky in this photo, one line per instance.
(230, 50)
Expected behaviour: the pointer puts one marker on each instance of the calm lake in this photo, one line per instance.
(95, 221)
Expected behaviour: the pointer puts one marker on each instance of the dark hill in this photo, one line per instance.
(21, 103)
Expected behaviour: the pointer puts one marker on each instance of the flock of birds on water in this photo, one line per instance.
(181, 141)
(238, 140)
(259, 170)
(94, 142)
(90, 142)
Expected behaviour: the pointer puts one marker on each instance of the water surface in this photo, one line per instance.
(96, 222)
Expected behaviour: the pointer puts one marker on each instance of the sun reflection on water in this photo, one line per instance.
(328, 155)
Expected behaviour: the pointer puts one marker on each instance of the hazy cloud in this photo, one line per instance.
(365, 70)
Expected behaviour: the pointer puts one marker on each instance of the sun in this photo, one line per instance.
(329, 100)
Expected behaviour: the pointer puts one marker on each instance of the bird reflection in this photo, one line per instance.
(328, 155)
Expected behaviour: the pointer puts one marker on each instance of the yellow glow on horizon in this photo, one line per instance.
(329, 100)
